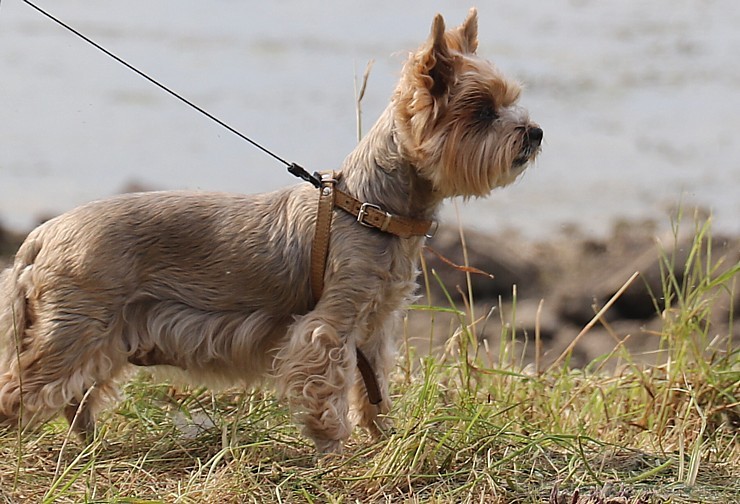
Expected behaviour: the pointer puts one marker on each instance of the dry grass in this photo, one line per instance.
(473, 424)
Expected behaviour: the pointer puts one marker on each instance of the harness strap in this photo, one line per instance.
(369, 215)
(320, 245)
(319, 253)
(368, 376)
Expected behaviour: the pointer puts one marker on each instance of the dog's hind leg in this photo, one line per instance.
(315, 370)
(63, 361)
(80, 413)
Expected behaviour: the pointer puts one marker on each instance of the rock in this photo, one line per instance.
(9, 243)
(506, 258)
(645, 297)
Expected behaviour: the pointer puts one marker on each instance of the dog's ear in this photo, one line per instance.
(469, 32)
(436, 60)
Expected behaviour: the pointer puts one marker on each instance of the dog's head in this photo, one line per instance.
(457, 116)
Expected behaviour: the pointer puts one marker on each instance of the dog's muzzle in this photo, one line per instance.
(530, 145)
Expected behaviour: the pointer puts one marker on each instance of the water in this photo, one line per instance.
(639, 100)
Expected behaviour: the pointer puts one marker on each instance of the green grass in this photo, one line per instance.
(472, 424)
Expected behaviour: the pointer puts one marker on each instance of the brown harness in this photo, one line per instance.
(368, 215)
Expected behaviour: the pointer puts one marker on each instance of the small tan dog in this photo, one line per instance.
(217, 285)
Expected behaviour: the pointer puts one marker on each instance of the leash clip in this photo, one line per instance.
(301, 173)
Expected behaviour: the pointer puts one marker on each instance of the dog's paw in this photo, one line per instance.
(329, 446)
(380, 428)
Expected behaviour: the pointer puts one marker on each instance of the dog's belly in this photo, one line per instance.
(225, 346)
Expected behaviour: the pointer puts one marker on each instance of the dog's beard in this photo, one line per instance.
(474, 162)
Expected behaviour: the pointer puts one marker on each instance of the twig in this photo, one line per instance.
(538, 338)
(359, 95)
(595, 319)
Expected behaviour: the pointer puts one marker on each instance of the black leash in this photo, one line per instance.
(293, 168)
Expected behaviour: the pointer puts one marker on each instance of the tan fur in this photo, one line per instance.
(216, 285)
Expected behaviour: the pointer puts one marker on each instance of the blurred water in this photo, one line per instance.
(639, 100)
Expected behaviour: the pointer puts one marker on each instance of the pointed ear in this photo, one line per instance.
(469, 32)
(436, 61)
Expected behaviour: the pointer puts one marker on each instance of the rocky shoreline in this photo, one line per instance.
(553, 288)
(562, 283)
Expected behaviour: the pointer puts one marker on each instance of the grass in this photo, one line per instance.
(472, 424)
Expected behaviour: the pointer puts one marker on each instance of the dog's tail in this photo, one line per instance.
(15, 285)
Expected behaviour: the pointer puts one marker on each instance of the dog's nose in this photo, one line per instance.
(534, 136)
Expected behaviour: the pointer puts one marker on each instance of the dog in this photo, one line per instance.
(216, 286)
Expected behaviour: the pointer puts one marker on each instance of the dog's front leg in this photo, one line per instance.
(315, 370)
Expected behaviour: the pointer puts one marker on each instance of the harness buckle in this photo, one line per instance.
(432, 230)
(363, 212)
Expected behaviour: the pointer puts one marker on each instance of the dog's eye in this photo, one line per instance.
(487, 114)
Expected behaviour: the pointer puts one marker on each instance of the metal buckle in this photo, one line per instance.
(327, 177)
(432, 230)
(363, 212)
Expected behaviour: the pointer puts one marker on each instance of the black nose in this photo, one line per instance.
(534, 136)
